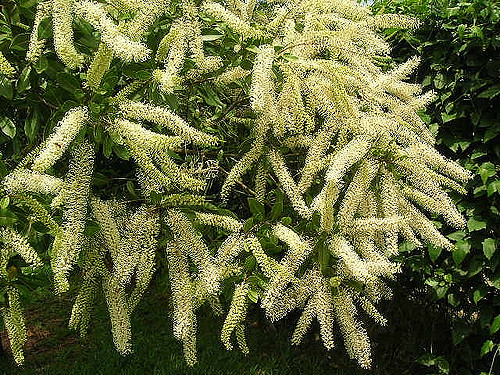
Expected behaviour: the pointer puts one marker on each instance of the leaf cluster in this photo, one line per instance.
(459, 45)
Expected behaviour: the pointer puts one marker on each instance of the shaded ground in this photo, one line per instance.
(53, 349)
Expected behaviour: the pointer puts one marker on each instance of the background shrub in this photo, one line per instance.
(459, 45)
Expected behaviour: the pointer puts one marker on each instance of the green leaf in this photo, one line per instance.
(460, 252)
(121, 151)
(250, 263)
(8, 127)
(41, 64)
(249, 223)
(477, 154)
(253, 49)
(448, 117)
(493, 187)
(107, 147)
(277, 208)
(486, 170)
(489, 247)
(487, 347)
(45, 28)
(439, 81)
(323, 254)
(490, 92)
(20, 42)
(211, 37)
(68, 82)
(434, 252)
(31, 125)
(253, 295)
(24, 80)
(456, 236)
(443, 365)
(495, 325)
(475, 225)
(131, 189)
(6, 88)
(7, 219)
(479, 294)
(427, 360)
(490, 133)
(4, 202)
(453, 300)
(459, 333)
(406, 247)
(256, 208)
(91, 227)
(496, 281)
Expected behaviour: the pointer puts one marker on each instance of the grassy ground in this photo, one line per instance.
(53, 349)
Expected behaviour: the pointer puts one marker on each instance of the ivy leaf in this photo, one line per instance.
(489, 247)
(495, 325)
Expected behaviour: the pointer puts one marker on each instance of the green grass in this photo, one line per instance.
(54, 349)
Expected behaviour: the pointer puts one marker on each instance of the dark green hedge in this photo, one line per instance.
(459, 44)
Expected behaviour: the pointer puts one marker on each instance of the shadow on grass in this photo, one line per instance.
(54, 349)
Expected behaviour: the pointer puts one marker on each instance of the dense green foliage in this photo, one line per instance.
(459, 43)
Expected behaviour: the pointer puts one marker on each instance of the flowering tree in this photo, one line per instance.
(330, 129)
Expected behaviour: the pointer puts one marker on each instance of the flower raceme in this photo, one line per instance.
(332, 126)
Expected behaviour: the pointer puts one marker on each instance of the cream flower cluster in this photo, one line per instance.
(369, 160)
(231, 19)
(5, 68)
(129, 238)
(191, 288)
(13, 319)
(364, 162)
(65, 132)
(158, 172)
(12, 243)
(122, 46)
(36, 46)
